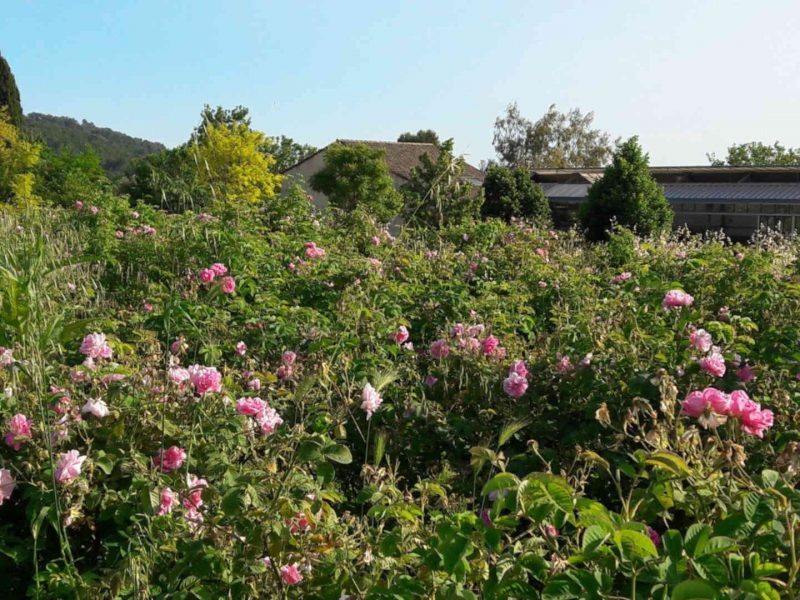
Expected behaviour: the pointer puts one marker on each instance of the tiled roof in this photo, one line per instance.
(699, 192)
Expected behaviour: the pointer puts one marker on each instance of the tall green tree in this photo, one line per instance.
(512, 193)
(626, 194)
(437, 195)
(63, 177)
(287, 152)
(557, 140)
(9, 94)
(355, 178)
(757, 154)
(427, 136)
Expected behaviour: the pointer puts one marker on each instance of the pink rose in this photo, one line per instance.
(519, 368)
(268, 420)
(250, 406)
(677, 299)
(375, 240)
(564, 365)
(228, 285)
(170, 459)
(207, 275)
(7, 485)
(205, 379)
(19, 431)
(96, 407)
(69, 466)
(701, 340)
(489, 345)
(515, 385)
(745, 373)
(756, 422)
(313, 251)
(78, 205)
(178, 375)
(371, 400)
(288, 358)
(401, 334)
(713, 364)
(169, 499)
(95, 345)
(622, 277)
(697, 402)
(440, 349)
(430, 380)
(291, 575)
(654, 536)
(284, 372)
(219, 269)
(241, 348)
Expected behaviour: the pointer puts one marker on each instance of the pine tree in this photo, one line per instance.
(626, 194)
(9, 94)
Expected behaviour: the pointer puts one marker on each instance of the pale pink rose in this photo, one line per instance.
(135, 214)
(205, 379)
(228, 285)
(515, 386)
(69, 466)
(371, 400)
(550, 530)
(78, 205)
(7, 485)
(254, 384)
(204, 217)
(207, 275)
(19, 431)
(476, 330)
(94, 210)
(564, 365)
(250, 406)
(291, 575)
(119, 234)
(288, 358)
(542, 252)
(440, 349)
(375, 240)
(178, 375)
(95, 345)
(169, 499)
(219, 269)
(430, 380)
(401, 334)
(489, 345)
(241, 348)
(110, 378)
(586, 361)
(284, 372)
(269, 420)
(96, 407)
(471, 344)
(519, 368)
(147, 307)
(170, 459)
(740, 404)
(713, 364)
(622, 277)
(677, 299)
(457, 330)
(6, 357)
(701, 340)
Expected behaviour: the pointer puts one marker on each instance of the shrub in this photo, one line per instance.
(511, 193)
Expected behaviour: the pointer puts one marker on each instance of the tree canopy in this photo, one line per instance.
(757, 154)
(355, 178)
(428, 136)
(557, 140)
(512, 193)
(18, 159)
(626, 194)
(9, 94)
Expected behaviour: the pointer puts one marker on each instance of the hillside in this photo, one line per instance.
(115, 149)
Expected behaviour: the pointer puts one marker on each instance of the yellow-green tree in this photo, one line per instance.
(232, 164)
(18, 157)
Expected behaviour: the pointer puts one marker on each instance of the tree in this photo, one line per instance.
(9, 94)
(287, 152)
(557, 140)
(232, 164)
(18, 159)
(356, 178)
(238, 115)
(756, 154)
(436, 195)
(512, 193)
(626, 194)
(427, 136)
(63, 177)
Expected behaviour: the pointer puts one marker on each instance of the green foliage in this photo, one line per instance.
(424, 136)
(757, 154)
(116, 150)
(626, 194)
(9, 94)
(287, 152)
(63, 177)
(437, 195)
(511, 193)
(355, 179)
(18, 160)
(556, 141)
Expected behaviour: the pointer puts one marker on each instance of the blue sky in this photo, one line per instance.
(687, 77)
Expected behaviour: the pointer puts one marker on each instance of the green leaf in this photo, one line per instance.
(509, 430)
(338, 453)
(633, 544)
(694, 589)
(501, 481)
(750, 505)
(696, 538)
(718, 544)
(593, 538)
(668, 461)
(769, 478)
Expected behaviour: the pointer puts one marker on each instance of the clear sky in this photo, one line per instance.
(688, 77)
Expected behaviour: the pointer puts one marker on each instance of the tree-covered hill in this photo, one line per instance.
(114, 148)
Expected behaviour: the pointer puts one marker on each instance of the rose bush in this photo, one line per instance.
(257, 405)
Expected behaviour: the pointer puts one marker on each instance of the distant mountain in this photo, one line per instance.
(114, 148)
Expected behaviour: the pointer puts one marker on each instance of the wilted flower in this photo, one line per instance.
(371, 400)
(314, 251)
(241, 348)
(169, 499)
(96, 407)
(69, 466)
(19, 431)
(7, 485)
(269, 420)
(95, 345)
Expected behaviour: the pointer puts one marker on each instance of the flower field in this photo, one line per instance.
(258, 404)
